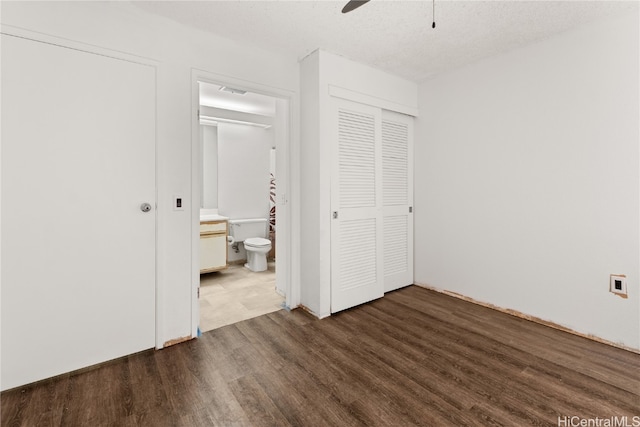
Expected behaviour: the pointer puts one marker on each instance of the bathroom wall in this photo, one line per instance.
(527, 180)
(243, 173)
(209, 150)
(243, 170)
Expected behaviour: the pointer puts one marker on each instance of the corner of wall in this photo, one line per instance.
(309, 183)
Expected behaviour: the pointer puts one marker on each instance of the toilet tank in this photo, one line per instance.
(243, 229)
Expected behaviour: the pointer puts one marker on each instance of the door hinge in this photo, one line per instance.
(410, 209)
(198, 292)
(335, 214)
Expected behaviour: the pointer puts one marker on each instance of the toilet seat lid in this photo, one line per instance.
(257, 241)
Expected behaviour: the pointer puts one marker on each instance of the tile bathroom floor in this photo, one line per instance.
(236, 294)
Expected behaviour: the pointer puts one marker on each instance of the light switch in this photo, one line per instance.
(178, 203)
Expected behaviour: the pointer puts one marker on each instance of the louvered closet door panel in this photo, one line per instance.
(357, 257)
(356, 204)
(356, 159)
(395, 162)
(397, 184)
(396, 251)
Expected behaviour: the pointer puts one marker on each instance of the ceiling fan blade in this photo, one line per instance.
(353, 4)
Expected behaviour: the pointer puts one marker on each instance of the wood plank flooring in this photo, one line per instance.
(414, 357)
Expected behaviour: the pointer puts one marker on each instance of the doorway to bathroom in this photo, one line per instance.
(243, 140)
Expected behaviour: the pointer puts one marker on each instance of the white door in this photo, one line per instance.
(356, 188)
(78, 253)
(397, 196)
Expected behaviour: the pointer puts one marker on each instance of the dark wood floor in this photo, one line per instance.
(414, 357)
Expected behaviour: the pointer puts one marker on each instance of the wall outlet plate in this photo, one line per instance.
(618, 284)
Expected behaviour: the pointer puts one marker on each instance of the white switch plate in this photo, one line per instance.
(178, 203)
(618, 284)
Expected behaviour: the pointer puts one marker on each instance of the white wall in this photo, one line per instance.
(527, 180)
(209, 156)
(178, 50)
(310, 183)
(321, 74)
(283, 249)
(244, 155)
(243, 170)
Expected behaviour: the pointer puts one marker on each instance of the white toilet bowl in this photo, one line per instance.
(257, 249)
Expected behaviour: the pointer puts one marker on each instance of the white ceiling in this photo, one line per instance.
(392, 35)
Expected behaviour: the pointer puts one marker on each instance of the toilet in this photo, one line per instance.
(252, 233)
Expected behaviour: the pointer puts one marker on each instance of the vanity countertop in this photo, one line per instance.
(213, 217)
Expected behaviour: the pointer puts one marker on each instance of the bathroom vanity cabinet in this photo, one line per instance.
(213, 245)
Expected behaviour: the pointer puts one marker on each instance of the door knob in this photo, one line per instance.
(145, 207)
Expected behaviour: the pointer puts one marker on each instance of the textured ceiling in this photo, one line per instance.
(395, 36)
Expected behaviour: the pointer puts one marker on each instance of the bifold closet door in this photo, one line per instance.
(356, 189)
(397, 196)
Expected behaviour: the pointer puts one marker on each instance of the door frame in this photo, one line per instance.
(287, 267)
